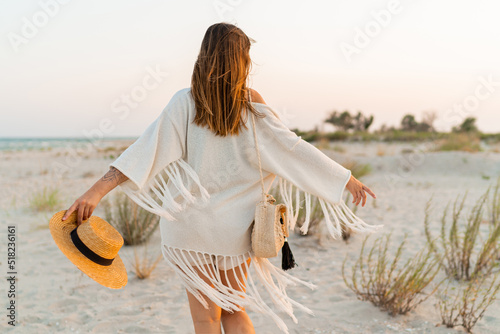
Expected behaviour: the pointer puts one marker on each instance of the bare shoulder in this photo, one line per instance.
(256, 97)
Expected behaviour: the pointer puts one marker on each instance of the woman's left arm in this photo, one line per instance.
(86, 204)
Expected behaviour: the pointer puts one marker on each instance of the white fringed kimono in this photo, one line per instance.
(206, 187)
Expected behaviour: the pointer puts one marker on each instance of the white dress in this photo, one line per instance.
(205, 189)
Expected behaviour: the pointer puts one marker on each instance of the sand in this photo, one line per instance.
(53, 296)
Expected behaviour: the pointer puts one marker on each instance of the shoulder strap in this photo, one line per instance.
(257, 148)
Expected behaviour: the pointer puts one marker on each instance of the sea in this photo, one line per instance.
(26, 144)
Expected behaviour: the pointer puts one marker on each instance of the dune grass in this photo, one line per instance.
(469, 260)
(468, 142)
(493, 208)
(465, 304)
(135, 224)
(45, 200)
(467, 253)
(391, 287)
(143, 264)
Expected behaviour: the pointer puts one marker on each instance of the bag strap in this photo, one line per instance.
(258, 152)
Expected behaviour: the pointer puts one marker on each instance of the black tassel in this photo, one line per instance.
(287, 260)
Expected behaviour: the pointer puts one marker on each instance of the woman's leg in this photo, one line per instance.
(237, 322)
(205, 321)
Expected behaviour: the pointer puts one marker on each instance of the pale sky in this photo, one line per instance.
(66, 65)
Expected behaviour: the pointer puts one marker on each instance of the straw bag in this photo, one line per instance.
(270, 228)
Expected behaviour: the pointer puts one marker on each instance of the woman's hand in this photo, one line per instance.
(88, 201)
(84, 206)
(357, 190)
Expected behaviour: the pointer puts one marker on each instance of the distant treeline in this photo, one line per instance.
(356, 126)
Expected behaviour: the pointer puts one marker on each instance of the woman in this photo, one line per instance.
(196, 167)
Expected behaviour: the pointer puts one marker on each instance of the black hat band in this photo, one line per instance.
(87, 251)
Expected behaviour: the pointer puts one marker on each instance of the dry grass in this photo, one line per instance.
(465, 255)
(392, 288)
(468, 142)
(465, 304)
(45, 200)
(144, 265)
(494, 205)
(135, 224)
(469, 261)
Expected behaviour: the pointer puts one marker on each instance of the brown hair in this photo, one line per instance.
(218, 83)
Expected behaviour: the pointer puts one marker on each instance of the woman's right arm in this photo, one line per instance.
(86, 204)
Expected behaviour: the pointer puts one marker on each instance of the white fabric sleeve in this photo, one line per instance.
(303, 168)
(154, 164)
(292, 158)
(159, 145)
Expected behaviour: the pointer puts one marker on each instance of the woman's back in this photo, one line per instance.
(227, 168)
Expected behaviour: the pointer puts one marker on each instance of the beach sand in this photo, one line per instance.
(53, 296)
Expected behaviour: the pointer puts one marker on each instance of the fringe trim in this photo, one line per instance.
(336, 214)
(164, 205)
(274, 280)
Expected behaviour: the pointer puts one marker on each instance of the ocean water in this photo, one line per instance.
(23, 144)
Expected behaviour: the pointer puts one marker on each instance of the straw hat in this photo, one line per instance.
(93, 247)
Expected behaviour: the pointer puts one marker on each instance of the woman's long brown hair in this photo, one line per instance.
(218, 83)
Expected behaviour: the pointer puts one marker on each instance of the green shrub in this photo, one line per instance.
(392, 288)
(494, 205)
(460, 244)
(490, 137)
(135, 224)
(465, 304)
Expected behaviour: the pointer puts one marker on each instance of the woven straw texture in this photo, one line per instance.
(98, 235)
(268, 236)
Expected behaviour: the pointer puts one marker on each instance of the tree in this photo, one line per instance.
(361, 122)
(468, 125)
(422, 127)
(345, 121)
(408, 123)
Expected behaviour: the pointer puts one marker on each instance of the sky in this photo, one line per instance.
(108, 68)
